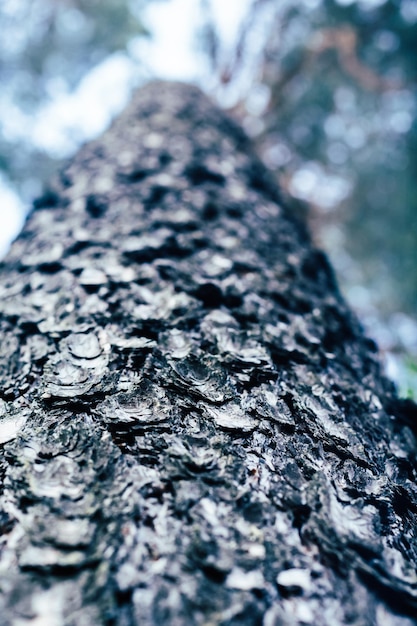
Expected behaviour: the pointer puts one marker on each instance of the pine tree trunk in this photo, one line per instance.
(194, 429)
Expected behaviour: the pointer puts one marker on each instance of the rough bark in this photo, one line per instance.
(194, 428)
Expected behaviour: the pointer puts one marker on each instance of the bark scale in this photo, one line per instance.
(193, 427)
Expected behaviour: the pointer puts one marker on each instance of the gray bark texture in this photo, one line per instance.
(194, 428)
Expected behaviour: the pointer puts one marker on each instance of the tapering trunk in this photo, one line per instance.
(194, 428)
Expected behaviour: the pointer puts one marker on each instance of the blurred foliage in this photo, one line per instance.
(46, 47)
(48, 41)
(332, 108)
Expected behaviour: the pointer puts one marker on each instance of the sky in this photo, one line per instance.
(68, 119)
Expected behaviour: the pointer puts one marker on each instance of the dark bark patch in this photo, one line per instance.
(402, 503)
(50, 268)
(233, 130)
(209, 294)
(235, 211)
(157, 194)
(252, 511)
(65, 179)
(199, 174)
(316, 268)
(210, 212)
(389, 593)
(77, 247)
(292, 303)
(259, 180)
(165, 158)
(404, 410)
(49, 200)
(251, 615)
(281, 357)
(96, 205)
(6, 523)
(213, 573)
(134, 176)
(338, 329)
(300, 515)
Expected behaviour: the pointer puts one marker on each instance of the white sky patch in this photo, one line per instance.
(229, 17)
(169, 52)
(83, 114)
(173, 51)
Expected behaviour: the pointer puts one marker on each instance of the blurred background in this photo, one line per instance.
(327, 89)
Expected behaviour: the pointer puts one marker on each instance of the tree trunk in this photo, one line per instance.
(194, 429)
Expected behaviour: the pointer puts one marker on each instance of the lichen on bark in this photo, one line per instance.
(194, 428)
